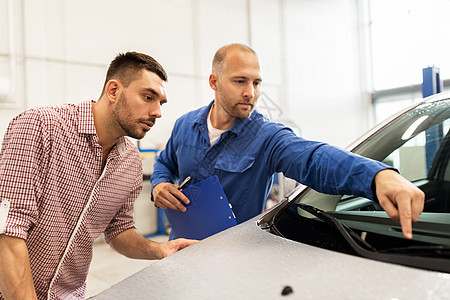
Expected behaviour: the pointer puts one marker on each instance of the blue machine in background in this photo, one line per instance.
(432, 83)
(160, 216)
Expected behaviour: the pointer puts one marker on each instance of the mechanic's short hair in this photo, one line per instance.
(127, 67)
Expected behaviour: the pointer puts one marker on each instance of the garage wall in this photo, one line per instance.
(309, 51)
(323, 72)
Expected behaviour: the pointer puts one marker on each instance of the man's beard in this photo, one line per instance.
(124, 117)
(232, 109)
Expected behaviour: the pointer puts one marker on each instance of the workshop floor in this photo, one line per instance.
(108, 267)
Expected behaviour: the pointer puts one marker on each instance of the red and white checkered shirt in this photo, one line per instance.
(54, 195)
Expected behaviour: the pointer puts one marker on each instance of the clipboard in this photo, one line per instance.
(208, 212)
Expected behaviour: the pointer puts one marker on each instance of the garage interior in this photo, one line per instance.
(332, 68)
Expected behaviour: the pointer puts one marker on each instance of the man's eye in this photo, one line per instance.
(148, 98)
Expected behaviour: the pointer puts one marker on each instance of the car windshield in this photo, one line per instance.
(417, 144)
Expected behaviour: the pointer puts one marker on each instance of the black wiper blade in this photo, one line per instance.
(428, 251)
(345, 231)
(431, 251)
(429, 261)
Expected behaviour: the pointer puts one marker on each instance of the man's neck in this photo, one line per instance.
(105, 132)
(220, 119)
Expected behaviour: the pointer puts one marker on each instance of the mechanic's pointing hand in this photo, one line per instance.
(401, 199)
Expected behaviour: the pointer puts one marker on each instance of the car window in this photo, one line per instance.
(418, 145)
(414, 159)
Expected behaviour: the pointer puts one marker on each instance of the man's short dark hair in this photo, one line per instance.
(127, 67)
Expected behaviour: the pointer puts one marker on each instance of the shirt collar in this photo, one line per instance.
(121, 146)
(86, 118)
(86, 124)
(238, 126)
(202, 115)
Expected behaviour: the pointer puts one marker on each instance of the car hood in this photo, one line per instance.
(245, 262)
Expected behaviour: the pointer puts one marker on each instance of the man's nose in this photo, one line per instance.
(155, 110)
(249, 91)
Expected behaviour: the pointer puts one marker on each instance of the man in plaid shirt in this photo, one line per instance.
(68, 174)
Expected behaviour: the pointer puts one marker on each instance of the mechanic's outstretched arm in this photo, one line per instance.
(133, 245)
(401, 199)
(166, 195)
(16, 281)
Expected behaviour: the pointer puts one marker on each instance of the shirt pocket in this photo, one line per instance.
(234, 163)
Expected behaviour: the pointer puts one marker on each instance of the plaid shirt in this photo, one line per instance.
(55, 196)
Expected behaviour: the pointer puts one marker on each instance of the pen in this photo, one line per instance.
(184, 182)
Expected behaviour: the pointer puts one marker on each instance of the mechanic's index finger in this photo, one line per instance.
(404, 209)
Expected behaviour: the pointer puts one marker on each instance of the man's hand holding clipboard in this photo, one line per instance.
(168, 195)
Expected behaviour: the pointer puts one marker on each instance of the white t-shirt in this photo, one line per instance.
(214, 134)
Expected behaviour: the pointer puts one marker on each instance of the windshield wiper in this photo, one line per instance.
(411, 255)
(428, 250)
(349, 235)
(432, 251)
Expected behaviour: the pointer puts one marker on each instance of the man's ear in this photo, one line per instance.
(112, 90)
(213, 81)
